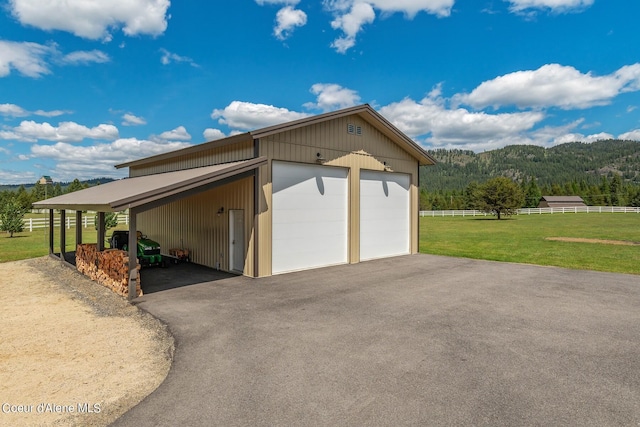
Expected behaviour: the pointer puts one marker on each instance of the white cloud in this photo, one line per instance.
(34, 60)
(129, 119)
(12, 110)
(352, 15)
(54, 113)
(177, 134)
(85, 162)
(278, 2)
(578, 137)
(331, 96)
(26, 58)
(351, 23)
(31, 131)
(211, 134)
(169, 57)
(16, 177)
(85, 57)
(94, 19)
(246, 115)
(458, 127)
(553, 85)
(557, 6)
(633, 135)
(287, 19)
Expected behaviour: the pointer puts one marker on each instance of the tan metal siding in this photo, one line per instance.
(339, 148)
(194, 223)
(225, 154)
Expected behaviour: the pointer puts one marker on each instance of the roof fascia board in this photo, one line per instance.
(76, 207)
(156, 194)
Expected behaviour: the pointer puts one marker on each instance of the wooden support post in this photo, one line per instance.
(63, 233)
(101, 231)
(78, 228)
(51, 219)
(133, 253)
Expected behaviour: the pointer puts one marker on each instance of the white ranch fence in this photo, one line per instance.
(88, 221)
(538, 211)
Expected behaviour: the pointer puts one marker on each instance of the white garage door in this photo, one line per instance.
(384, 214)
(309, 216)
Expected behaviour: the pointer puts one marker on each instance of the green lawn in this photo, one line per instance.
(522, 239)
(36, 243)
(516, 239)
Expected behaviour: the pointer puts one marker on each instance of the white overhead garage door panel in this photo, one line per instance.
(384, 214)
(309, 216)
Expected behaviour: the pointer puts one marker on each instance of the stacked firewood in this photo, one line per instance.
(110, 268)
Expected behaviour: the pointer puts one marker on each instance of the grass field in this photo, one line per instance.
(36, 243)
(516, 239)
(523, 239)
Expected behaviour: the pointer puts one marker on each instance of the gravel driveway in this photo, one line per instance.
(72, 353)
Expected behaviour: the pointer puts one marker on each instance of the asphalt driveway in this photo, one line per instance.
(415, 340)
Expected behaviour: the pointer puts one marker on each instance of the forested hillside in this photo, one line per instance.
(587, 170)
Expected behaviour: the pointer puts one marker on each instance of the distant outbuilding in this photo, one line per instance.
(561, 202)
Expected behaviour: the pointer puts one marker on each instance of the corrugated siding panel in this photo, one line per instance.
(193, 223)
(338, 148)
(229, 153)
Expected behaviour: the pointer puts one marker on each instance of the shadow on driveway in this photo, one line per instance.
(156, 279)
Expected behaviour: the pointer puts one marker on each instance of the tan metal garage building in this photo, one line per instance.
(335, 188)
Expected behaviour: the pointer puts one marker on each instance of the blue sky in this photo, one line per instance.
(87, 84)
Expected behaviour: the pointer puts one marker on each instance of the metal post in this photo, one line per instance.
(133, 253)
(101, 231)
(50, 231)
(63, 234)
(78, 228)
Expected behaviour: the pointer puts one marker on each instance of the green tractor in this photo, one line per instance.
(148, 250)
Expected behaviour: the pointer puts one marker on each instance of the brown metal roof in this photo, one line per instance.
(571, 199)
(147, 190)
(365, 111)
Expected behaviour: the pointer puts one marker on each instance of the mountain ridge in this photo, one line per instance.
(568, 162)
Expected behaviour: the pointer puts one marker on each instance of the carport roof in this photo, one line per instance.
(150, 189)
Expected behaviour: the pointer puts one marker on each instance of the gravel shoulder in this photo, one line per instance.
(72, 352)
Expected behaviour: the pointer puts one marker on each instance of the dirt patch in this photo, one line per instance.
(601, 241)
(72, 352)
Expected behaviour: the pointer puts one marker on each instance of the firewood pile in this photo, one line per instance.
(110, 268)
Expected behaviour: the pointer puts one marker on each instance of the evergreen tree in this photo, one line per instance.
(74, 186)
(532, 194)
(12, 216)
(616, 191)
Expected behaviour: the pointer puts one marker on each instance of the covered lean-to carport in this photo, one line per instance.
(138, 195)
(336, 188)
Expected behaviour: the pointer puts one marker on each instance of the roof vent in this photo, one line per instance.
(351, 128)
(359, 130)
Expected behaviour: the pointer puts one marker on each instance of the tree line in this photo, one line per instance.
(15, 204)
(611, 191)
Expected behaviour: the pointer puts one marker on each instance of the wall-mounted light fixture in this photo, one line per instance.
(319, 158)
(220, 211)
